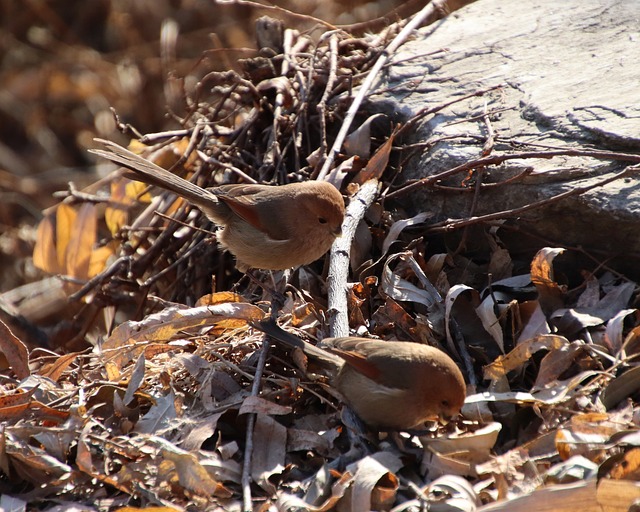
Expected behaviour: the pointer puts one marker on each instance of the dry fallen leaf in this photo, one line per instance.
(15, 351)
(550, 293)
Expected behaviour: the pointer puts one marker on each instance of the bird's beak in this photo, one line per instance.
(444, 419)
(338, 232)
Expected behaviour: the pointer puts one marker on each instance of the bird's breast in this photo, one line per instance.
(255, 248)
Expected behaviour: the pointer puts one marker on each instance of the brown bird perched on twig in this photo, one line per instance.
(265, 227)
(394, 385)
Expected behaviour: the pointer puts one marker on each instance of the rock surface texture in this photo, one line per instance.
(571, 80)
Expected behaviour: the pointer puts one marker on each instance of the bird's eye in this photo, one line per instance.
(445, 403)
(322, 220)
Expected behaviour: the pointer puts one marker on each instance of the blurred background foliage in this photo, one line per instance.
(66, 66)
(65, 63)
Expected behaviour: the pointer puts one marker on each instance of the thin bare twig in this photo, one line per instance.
(280, 10)
(450, 225)
(251, 420)
(331, 79)
(104, 276)
(72, 194)
(498, 159)
(400, 39)
(487, 148)
(421, 114)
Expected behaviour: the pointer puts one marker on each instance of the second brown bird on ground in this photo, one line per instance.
(391, 385)
(263, 226)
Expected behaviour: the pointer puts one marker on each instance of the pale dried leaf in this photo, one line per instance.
(221, 469)
(537, 325)
(615, 328)
(500, 264)
(136, 379)
(56, 442)
(161, 416)
(463, 301)
(558, 498)
(569, 443)
(377, 164)
(258, 405)
(401, 289)
(556, 362)
(490, 321)
(508, 464)
(591, 293)
(576, 319)
(453, 493)
(359, 141)
(298, 440)
(191, 474)
(556, 394)
(435, 464)
(128, 339)
(340, 172)
(55, 369)
(521, 355)
(480, 441)
(202, 431)
(398, 226)
(367, 472)
(288, 502)
(269, 451)
(571, 470)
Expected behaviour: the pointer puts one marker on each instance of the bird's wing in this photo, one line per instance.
(247, 202)
(358, 362)
(368, 355)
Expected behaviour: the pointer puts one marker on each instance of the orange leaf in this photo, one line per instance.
(551, 294)
(100, 258)
(55, 369)
(12, 412)
(116, 215)
(629, 467)
(81, 241)
(218, 298)
(65, 219)
(15, 399)
(49, 412)
(136, 190)
(44, 252)
(137, 147)
(377, 164)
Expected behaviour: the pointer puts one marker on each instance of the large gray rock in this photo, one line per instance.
(571, 71)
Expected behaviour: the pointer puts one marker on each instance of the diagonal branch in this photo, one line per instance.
(340, 255)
